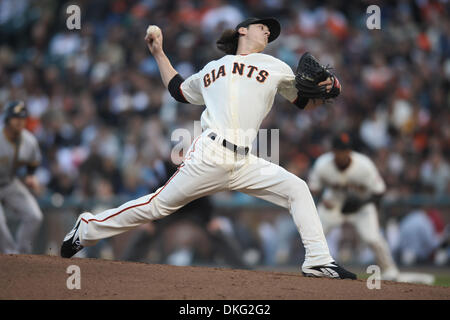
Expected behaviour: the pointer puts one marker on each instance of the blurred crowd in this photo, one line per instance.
(104, 120)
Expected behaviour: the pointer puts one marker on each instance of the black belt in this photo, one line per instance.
(231, 146)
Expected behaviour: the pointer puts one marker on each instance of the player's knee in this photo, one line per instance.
(35, 217)
(162, 213)
(162, 210)
(39, 218)
(299, 189)
(303, 185)
(372, 242)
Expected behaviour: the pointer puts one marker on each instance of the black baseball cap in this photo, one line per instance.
(342, 141)
(271, 23)
(16, 109)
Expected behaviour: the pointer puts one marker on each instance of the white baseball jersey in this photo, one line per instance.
(361, 178)
(238, 91)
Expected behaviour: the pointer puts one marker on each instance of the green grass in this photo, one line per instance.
(442, 280)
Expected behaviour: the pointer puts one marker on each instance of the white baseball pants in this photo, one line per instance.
(367, 226)
(208, 168)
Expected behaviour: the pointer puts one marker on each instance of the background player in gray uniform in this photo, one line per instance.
(18, 148)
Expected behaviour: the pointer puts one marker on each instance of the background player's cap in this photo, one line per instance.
(15, 109)
(342, 142)
(272, 23)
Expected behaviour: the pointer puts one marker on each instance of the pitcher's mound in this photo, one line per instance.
(47, 277)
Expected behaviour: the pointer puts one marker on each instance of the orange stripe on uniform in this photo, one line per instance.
(182, 94)
(188, 156)
(136, 205)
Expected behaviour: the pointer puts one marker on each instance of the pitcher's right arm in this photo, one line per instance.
(185, 91)
(154, 44)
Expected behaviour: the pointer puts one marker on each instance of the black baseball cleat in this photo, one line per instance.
(71, 244)
(330, 270)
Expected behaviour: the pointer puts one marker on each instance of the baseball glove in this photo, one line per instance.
(352, 204)
(309, 74)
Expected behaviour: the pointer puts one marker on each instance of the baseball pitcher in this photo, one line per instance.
(352, 188)
(18, 147)
(238, 91)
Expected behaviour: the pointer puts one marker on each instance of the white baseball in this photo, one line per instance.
(155, 30)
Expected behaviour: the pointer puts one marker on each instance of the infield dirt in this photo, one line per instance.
(45, 277)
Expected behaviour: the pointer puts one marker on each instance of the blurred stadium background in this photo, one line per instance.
(104, 120)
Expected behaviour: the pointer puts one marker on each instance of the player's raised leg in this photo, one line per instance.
(198, 176)
(271, 182)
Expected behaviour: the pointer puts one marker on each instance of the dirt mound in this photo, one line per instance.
(47, 277)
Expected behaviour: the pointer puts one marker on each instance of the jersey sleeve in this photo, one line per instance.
(286, 86)
(374, 181)
(36, 155)
(314, 180)
(30, 153)
(191, 89)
